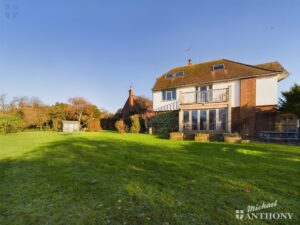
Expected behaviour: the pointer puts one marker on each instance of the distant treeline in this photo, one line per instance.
(30, 113)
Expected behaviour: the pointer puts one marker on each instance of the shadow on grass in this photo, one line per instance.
(113, 181)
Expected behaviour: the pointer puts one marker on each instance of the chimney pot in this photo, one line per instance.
(131, 96)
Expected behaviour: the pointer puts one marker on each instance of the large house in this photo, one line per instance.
(220, 96)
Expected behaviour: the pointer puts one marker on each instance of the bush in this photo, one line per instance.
(94, 125)
(108, 123)
(10, 123)
(120, 126)
(135, 124)
(165, 123)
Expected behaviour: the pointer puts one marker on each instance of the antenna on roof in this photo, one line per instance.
(188, 52)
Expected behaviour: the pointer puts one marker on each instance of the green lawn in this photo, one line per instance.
(110, 178)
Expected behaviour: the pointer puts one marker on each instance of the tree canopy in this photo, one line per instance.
(24, 112)
(290, 101)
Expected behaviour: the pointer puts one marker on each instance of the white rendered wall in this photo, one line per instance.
(157, 97)
(266, 90)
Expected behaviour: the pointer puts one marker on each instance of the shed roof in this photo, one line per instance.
(70, 122)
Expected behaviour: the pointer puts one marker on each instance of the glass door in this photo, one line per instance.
(195, 120)
(212, 119)
(186, 120)
(202, 119)
(222, 123)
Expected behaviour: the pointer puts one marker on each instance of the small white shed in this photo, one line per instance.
(70, 126)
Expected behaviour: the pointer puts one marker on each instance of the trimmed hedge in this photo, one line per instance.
(93, 125)
(164, 123)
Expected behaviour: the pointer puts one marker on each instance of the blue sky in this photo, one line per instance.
(60, 49)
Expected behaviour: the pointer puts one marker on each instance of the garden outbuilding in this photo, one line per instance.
(70, 126)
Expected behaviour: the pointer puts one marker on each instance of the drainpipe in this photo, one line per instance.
(229, 108)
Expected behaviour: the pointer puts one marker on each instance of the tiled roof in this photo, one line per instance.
(203, 73)
(275, 66)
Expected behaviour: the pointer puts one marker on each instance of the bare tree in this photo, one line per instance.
(79, 105)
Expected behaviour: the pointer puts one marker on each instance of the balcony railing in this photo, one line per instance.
(209, 96)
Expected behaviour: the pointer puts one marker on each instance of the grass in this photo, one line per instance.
(109, 178)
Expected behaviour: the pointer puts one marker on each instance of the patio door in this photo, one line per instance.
(206, 120)
(195, 120)
(186, 120)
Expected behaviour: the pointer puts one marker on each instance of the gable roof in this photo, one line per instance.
(275, 66)
(126, 110)
(203, 73)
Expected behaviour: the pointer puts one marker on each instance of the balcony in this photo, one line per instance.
(209, 96)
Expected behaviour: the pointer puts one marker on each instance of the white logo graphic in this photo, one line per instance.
(254, 212)
(239, 214)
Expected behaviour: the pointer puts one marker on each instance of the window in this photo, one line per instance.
(222, 119)
(218, 67)
(169, 75)
(194, 120)
(186, 119)
(169, 95)
(212, 119)
(203, 120)
(178, 74)
(203, 93)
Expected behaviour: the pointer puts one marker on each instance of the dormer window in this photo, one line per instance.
(171, 75)
(218, 67)
(178, 74)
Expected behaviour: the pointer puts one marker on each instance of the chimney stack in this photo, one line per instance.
(130, 99)
(190, 62)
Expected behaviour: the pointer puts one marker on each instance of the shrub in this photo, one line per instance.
(108, 123)
(94, 125)
(165, 123)
(120, 126)
(135, 124)
(10, 123)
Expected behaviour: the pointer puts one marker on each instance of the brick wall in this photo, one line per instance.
(247, 106)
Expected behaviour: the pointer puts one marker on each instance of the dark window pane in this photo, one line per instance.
(203, 120)
(223, 118)
(174, 94)
(194, 120)
(169, 75)
(204, 88)
(212, 119)
(186, 119)
(186, 115)
(163, 95)
(218, 67)
(178, 74)
(203, 94)
(169, 95)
